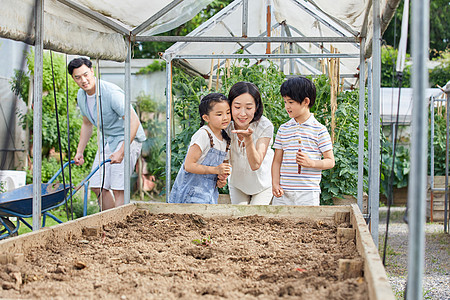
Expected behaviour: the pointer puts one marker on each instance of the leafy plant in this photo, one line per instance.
(440, 75)
(205, 242)
(388, 74)
(155, 66)
(440, 140)
(150, 113)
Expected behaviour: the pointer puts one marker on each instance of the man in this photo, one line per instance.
(112, 116)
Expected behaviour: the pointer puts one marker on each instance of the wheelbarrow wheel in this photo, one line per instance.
(5, 225)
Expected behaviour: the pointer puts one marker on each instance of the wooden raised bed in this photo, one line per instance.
(89, 233)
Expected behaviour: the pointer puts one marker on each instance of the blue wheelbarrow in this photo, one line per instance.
(19, 202)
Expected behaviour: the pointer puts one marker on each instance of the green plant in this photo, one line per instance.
(155, 66)
(205, 242)
(388, 73)
(401, 166)
(2, 187)
(440, 75)
(439, 143)
(150, 113)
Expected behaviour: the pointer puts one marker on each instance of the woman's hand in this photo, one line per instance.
(243, 134)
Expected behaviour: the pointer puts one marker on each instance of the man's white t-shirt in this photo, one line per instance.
(201, 138)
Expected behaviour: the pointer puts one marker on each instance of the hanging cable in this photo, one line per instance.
(100, 128)
(59, 136)
(68, 141)
(400, 64)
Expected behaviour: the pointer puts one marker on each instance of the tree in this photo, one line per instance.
(439, 27)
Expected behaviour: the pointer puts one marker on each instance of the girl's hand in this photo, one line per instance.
(221, 183)
(303, 160)
(277, 191)
(223, 169)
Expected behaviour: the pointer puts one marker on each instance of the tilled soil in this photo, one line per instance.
(172, 256)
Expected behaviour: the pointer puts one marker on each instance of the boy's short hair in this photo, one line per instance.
(298, 88)
(78, 62)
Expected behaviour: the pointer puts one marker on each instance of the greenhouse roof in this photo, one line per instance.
(317, 28)
(101, 28)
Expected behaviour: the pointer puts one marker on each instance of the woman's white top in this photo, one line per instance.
(201, 138)
(242, 176)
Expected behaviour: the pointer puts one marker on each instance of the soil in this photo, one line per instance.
(172, 256)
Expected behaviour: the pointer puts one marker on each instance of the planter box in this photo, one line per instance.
(400, 197)
(348, 200)
(373, 271)
(436, 213)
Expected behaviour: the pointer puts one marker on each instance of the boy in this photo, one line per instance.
(299, 146)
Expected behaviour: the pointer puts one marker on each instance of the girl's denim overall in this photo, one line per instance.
(199, 188)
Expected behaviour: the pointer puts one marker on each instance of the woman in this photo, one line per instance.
(251, 154)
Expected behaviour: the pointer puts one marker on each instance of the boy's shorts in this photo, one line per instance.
(114, 173)
(307, 198)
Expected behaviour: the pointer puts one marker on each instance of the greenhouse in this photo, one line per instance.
(337, 42)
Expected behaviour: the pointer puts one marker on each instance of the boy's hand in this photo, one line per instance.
(277, 191)
(303, 160)
(223, 169)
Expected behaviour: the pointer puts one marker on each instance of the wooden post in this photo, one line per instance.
(350, 268)
(269, 27)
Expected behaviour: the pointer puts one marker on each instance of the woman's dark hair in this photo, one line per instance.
(298, 88)
(244, 87)
(78, 62)
(206, 105)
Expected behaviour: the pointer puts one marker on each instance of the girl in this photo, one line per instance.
(251, 155)
(204, 168)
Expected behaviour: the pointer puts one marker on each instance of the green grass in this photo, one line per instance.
(59, 213)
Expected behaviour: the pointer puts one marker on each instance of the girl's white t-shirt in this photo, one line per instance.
(201, 138)
(242, 177)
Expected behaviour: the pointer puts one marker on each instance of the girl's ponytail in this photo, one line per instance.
(225, 136)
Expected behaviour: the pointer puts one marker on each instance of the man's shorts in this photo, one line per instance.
(114, 173)
(310, 198)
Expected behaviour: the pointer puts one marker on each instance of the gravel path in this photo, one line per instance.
(436, 280)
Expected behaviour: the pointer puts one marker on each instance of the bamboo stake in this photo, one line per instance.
(217, 74)
(333, 74)
(211, 74)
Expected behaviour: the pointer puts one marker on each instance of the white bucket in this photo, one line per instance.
(12, 180)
